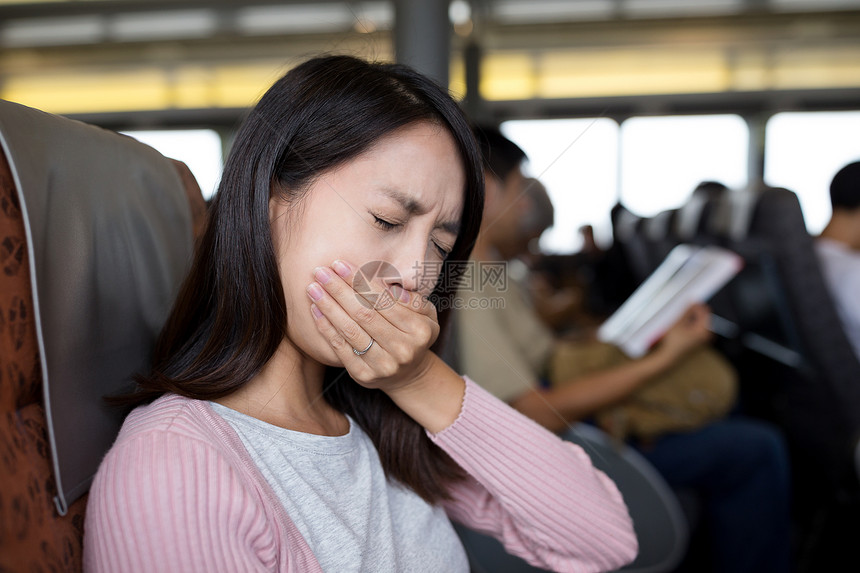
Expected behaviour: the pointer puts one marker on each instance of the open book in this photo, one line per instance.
(689, 274)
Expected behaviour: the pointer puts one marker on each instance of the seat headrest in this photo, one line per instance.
(733, 213)
(109, 238)
(659, 226)
(688, 220)
(776, 203)
(626, 225)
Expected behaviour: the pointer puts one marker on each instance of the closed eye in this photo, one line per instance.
(443, 252)
(388, 226)
(383, 224)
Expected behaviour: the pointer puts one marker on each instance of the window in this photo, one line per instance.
(577, 161)
(664, 158)
(199, 149)
(803, 151)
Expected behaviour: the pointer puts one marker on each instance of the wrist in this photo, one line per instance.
(433, 397)
(663, 358)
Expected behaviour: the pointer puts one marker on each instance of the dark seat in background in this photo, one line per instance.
(783, 334)
(95, 236)
(627, 233)
(823, 407)
(813, 391)
(659, 237)
(783, 310)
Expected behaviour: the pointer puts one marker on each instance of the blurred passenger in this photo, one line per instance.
(559, 305)
(533, 221)
(587, 271)
(838, 249)
(590, 247)
(738, 466)
(291, 423)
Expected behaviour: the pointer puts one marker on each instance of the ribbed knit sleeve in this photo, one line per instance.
(539, 495)
(164, 502)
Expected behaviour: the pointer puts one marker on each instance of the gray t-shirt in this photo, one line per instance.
(352, 517)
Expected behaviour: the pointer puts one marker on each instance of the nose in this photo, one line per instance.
(408, 273)
(414, 271)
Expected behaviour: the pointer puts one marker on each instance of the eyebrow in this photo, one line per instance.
(413, 207)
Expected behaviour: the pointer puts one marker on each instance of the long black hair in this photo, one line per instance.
(230, 315)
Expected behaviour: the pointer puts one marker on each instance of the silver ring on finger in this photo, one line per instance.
(363, 352)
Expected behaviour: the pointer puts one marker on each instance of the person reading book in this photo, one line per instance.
(739, 466)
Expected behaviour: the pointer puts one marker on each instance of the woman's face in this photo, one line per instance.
(400, 202)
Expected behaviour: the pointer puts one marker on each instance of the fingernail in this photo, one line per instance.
(341, 268)
(316, 311)
(315, 291)
(322, 275)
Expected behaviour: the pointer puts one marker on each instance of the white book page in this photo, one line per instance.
(691, 275)
(638, 302)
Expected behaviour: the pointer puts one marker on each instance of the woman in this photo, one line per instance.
(295, 425)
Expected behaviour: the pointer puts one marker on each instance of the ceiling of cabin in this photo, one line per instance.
(539, 57)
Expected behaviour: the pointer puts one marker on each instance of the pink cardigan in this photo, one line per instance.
(179, 492)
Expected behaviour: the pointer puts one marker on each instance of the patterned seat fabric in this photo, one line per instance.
(33, 537)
